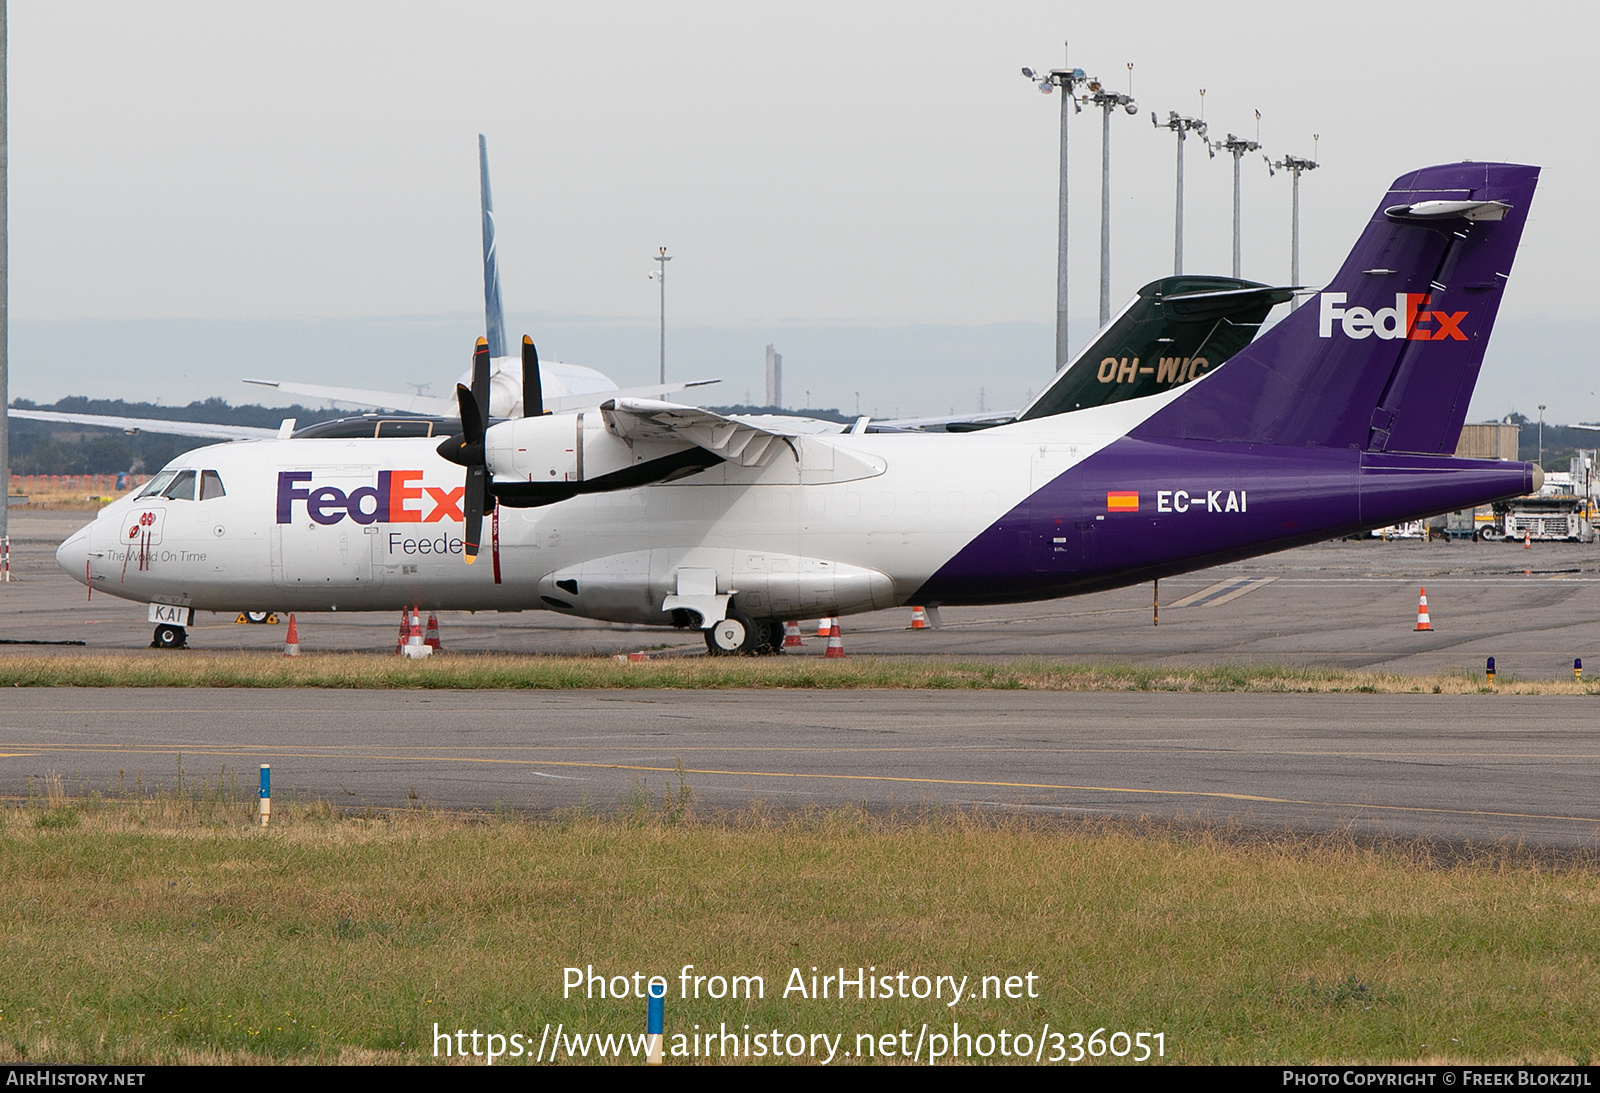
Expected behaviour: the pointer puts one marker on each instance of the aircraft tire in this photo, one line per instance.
(735, 636)
(170, 637)
(257, 617)
(771, 643)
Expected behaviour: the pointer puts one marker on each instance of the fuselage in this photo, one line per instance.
(839, 524)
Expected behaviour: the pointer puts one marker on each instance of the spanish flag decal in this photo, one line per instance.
(1122, 500)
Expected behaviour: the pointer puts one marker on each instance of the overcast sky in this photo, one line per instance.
(818, 163)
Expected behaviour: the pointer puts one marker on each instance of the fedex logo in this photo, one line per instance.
(398, 498)
(1405, 319)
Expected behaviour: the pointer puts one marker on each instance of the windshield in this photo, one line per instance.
(156, 484)
(181, 488)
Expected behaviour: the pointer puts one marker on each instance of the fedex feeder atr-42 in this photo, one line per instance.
(1341, 418)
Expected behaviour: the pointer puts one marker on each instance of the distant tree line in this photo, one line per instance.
(42, 447)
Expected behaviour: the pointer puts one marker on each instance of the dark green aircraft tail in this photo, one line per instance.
(1177, 329)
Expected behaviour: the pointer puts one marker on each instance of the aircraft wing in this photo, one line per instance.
(588, 400)
(150, 425)
(381, 400)
(446, 407)
(736, 441)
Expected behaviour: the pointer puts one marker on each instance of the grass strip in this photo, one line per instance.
(167, 929)
(505, 672)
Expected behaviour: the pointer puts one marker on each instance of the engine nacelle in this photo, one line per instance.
(541, 460)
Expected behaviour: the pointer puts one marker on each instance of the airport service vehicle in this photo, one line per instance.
(1337, 420)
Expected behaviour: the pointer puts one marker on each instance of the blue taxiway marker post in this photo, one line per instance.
(1489, 672)
(654, 1023)
(1577, 669)
(266, 793)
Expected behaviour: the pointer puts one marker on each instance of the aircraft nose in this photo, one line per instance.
(73, 555)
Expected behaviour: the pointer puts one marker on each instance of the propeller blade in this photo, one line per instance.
(477, 482)
(471, 416)
(532, 382)
(480, 378)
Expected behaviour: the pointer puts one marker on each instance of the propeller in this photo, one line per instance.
(532, 382)
(466, 449)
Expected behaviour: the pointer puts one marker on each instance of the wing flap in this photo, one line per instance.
(735, 441)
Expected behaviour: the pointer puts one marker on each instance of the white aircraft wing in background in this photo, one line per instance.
(152, 425)
(502, 404)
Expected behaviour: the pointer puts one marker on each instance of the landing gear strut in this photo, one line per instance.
(170, 637)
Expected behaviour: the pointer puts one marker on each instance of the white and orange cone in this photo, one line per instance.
(825, 626)
(835, 641)
(919, 619)
(431, 638)
(291, 644)
(1422, 611)
(791, 635)
(414, 648)
(1527, 539)
(405, 630)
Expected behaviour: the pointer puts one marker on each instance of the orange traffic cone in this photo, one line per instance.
(431, 639)
(291, 644)
(835, 641)
(824, 626)
(791, 635)
(405, 630)
(1527, 540)
(919, 619)
(1422, 611)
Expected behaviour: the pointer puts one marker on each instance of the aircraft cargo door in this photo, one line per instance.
(323, 546)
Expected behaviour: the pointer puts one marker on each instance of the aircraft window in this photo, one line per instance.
(405, 428)
(154, 487)
(181, 487)
(211, 485)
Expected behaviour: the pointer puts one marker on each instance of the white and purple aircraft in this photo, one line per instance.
(1341, 418)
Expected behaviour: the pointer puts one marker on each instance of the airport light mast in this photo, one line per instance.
(1108, 101)
(1236, 147)
(1068, 80)
(5, 320)
(1181, 126)
(661, 259)
(1295, 165)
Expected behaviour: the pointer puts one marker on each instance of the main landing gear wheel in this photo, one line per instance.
(771, 637)
(735, 636)
(170, 637)
(258, 617)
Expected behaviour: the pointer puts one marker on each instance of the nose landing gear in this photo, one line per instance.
(170, 637)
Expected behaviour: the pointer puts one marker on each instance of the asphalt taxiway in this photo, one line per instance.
(1491, 768)
(1475, 767)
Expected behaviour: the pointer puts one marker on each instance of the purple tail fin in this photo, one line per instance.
(1386, 357)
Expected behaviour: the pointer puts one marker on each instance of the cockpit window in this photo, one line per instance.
(211, 485)
(181, 488)
(154, 487)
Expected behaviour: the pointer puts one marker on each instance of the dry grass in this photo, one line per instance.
(166, 929)
(71, 493)
(507, 672)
